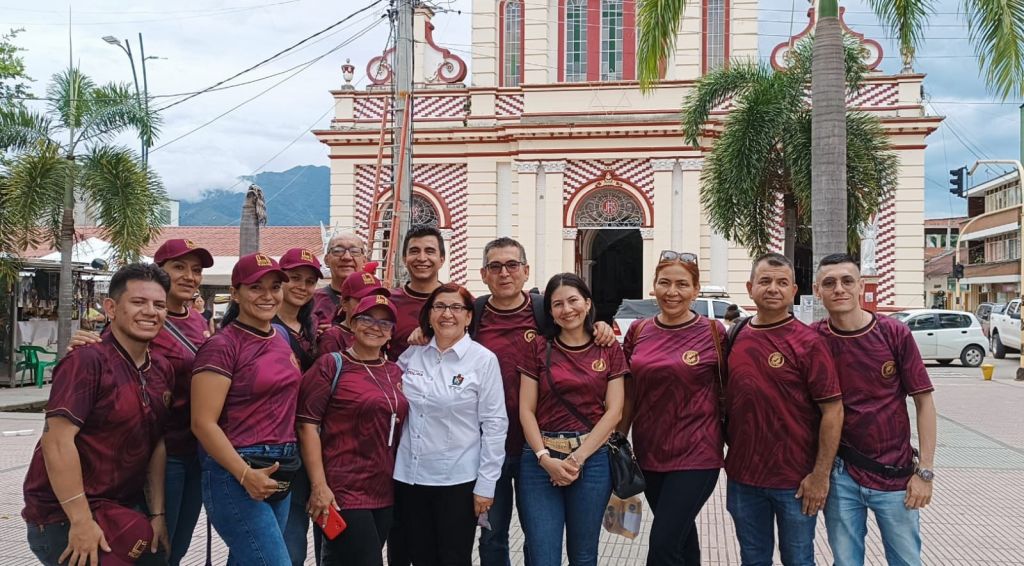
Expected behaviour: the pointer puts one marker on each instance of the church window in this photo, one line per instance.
(576, 41)
(611, 40)
(512, 43)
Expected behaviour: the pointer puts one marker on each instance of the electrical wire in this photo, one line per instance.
(208, 14)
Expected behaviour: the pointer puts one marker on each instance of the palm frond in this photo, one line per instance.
(21, 129)
(68, 95)
(715, 88)
(127, 198)
(906, 20)
(114, 108)
(657, 24)
(996, 29)
(34, 193)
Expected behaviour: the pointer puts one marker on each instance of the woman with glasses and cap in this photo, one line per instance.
(453, 444)
(354, 289)
(245, 388)
(672, 403)
(349, 435)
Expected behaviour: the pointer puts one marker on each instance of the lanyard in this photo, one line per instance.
(392, 405)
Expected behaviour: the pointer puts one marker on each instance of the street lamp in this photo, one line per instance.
(143, 97)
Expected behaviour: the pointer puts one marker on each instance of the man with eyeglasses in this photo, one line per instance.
(879, 365)
(346, 254)
(423, 255)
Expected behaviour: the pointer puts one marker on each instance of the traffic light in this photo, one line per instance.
(956, 180)
(958, 271)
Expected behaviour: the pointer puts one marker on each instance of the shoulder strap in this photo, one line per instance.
(554, 391)
(337, 371)
(177, 334)
(540, 318)
(734, 330)
(300, 354)
(720, 369)
(479, 304)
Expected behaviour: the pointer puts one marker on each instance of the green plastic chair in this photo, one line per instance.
(33, 363)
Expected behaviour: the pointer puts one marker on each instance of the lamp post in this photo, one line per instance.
(142, 96)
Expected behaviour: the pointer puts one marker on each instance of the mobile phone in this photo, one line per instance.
(332, 524)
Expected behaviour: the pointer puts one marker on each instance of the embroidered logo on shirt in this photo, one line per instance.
(776, 359)
(599, 365)
(691, 357)
(529, 335)
(888, 369)
(457, 380)
(168, 399)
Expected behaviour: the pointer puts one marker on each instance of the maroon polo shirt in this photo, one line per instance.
(878, 366)
(326, 303)
(510, 334)
(778, 373)
(581, 375)
(121, 411)
(337, 338)
(265, 376)
(306, 344)
(355, 424)
(408, 303)
(179, 438)
(675, 395)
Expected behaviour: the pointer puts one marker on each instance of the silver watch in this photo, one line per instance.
(925, 474)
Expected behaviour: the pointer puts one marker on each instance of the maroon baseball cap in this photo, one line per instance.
(360, 284)
(251, 268)
(178, 247)
(128, 532)
(372, 301)
(300, 257)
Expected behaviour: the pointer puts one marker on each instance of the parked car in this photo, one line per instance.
(1004, 330)
(945, 335)
(984, 313)
(711, 303)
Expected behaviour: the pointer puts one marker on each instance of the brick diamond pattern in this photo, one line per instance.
(870, 95)
(778, 230)
(885, 254)
(445, 106)
(580, 173)
(509, 105)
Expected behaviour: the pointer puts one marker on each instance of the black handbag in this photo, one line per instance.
(627, 479)
(284, 475)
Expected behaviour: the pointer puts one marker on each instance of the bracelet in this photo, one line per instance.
(151, 515)
(241, 480)
(70, 499)
(541, 453)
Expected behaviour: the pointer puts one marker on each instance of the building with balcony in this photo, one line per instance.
(552, 142)
(990, 241)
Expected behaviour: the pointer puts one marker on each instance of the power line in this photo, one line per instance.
(207, 14)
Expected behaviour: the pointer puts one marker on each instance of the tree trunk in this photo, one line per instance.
(254, 214)
(790, 228)
(828, 135)
(66, 299)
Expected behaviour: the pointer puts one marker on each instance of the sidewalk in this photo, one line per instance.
(977, 515)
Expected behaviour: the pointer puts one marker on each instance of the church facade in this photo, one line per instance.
(552, 142)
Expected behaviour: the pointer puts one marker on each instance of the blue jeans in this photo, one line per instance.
(494, 542)
(184, 497)
(755, 510)
(252, 530)
(846, 515)
(578, 509)
(48, 542)
(297, 532)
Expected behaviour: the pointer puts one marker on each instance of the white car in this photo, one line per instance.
(632, 309)
(945, 335)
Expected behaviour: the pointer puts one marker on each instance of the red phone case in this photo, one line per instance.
(332, 524)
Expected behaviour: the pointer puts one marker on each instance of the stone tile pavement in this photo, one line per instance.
(977, 516)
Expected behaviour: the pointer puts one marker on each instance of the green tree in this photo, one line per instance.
(764, 150)
(13, 85)
(65, 155)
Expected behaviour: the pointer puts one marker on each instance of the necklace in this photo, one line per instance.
(392, 405)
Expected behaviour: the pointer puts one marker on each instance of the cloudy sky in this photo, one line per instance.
(206, 142)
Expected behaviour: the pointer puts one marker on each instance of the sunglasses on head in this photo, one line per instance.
(685, 257)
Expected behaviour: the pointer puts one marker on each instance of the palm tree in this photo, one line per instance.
(996, 30)
(764, 151)
(64, 156)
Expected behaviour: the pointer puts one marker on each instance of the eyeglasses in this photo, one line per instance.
(830, 283)
(340, 251)
(378, 323)
(495, 267)
(457, 308)
(685, 257)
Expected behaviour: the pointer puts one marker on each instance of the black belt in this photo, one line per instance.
(854, 458)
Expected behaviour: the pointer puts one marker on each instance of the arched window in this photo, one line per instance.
(575, 41)
(512, 43)
(716, 33)
(611, 40)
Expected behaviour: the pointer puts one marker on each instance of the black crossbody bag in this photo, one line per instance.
(627, 479)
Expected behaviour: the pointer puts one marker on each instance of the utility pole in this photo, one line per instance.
(145, 94)
(402, 152)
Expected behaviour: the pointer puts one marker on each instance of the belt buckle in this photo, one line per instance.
(283, 485)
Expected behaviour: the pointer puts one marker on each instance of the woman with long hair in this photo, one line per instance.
(453, 444)
(571, 397)
(672, 403)
(349, 427)
(245, 387)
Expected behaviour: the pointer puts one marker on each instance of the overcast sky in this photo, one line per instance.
(200, 42)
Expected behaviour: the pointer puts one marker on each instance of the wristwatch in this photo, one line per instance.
(925, 474)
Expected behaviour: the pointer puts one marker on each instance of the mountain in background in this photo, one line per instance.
(299, 196)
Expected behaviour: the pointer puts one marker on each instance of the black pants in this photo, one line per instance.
(48, 543)
(438, 523)
(361, 542)
(676, 499)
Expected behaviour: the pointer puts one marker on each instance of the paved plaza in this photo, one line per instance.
(977, 516)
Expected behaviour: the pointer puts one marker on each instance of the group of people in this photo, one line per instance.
(421, 413)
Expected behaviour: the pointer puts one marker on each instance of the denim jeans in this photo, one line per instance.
(578, 509)
(756, 510)
(252, 530)
(846, 515)
(494, 542)
(296, 533)
(184, 496)
(48, 542)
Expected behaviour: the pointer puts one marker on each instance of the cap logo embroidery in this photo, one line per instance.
(263, 261)
(529, 335)
(190, 244)
(888, 369)
(367, 279)
(776, 360)
(381, 300)
(137, 550)
(691, 357)
(599, 365)
(306, 255)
